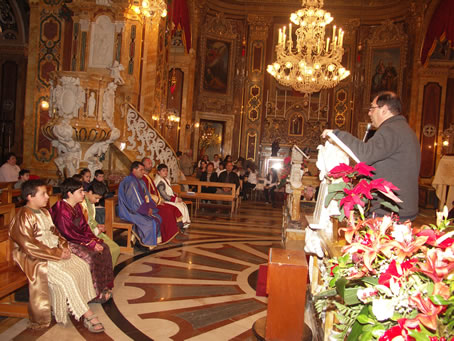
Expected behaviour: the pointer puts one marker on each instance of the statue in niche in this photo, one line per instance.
(115, 73)
(108, 104)
(97, 151)
(296, 125)
(91, 105)
(275, 147)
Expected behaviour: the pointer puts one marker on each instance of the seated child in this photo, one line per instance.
(95, 192)
(24, 175)
(69, 219)
(166, 192)
(100, 210)
(58, 280)
(86, 178)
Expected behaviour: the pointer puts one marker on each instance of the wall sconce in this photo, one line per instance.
(44, 105)
(167, 118)
(191, 125)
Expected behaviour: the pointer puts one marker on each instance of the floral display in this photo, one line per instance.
(392, 281)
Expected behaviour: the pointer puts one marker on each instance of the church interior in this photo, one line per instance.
(99, 84)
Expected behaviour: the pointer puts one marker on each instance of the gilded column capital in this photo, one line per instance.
(259, 23)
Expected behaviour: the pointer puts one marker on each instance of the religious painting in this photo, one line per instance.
(385, 66)
(216, 68)
(385, 60)
(211, 138)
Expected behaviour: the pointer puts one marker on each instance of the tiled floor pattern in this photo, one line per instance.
(193, 288)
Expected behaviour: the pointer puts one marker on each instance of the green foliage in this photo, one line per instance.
(347, 317)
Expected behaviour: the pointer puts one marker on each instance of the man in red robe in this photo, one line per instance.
(171, 215)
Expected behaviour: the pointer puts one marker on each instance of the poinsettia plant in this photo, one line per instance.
(354, 188)
(392, 282)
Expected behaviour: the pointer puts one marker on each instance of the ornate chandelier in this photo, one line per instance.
(310, 63)
(150, 8)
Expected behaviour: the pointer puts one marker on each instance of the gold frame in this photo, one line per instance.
(251, 133)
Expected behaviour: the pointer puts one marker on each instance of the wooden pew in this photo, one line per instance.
(198, 195)
(11, 276)
(113, 222)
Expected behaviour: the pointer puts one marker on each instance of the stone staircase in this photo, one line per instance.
(140, 139)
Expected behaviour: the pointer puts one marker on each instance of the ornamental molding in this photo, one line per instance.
(220, 26)
(146, 141)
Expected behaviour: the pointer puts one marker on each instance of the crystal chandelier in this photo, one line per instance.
(150, 8)
(310, 63)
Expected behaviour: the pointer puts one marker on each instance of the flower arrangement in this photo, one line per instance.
(392, 281)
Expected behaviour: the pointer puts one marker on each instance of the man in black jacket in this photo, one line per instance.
(229, 176)
(393, 151)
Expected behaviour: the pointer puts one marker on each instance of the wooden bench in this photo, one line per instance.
(198, 195)
(11, 276)
(113, 222)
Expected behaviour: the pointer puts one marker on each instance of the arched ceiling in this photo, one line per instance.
(369, 11)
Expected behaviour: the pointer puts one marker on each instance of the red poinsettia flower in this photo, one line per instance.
(341, 171)
(364, 169)
(352, 199)
(438, 265)
(428, 310)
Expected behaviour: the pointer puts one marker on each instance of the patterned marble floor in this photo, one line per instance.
(197, 287)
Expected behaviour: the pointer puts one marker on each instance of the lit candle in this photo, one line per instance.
(285, 102)
(341, 38)
(327, 45)
(290, 32)
(275, 104)
(335, 41)
(280, 35)
(334, 31)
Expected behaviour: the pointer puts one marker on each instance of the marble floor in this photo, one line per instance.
(200, 286)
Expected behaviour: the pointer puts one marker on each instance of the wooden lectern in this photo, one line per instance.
(286, 288)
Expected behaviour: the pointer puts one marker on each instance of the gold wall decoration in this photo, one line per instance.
(254, 102)
(257, 56)
(251, 147)
(340, 106)
(296, 125)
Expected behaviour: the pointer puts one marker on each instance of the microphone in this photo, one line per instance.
(369, 125)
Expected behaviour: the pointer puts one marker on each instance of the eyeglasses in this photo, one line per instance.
(373, 107)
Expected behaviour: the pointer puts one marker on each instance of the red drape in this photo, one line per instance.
(179, 14)
(441, 27)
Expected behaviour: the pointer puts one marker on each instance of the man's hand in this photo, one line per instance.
(99, 248)
(326, 132)
(101, 228)
(66, 254)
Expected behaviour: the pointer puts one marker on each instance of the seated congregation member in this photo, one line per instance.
(86, 178)
(136, 205)
(24, 175)
(58, 280)
(100, 210)
(216, 161)
(209, 176)
(9, 171)
(166, 192)
(202, 168)
(69, 219)
(220, 169)
(250, 180)
(271, 182)
(172, 219)
(229, 176)
(95, 192)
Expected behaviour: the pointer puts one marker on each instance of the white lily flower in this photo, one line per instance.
(382, 309)
(402, 233)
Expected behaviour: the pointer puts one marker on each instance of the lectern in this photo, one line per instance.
(286, 288)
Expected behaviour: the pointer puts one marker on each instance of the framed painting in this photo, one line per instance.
(385, 61)
(217, 68)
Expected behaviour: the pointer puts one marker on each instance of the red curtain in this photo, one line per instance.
(441, 27)
(179, 14)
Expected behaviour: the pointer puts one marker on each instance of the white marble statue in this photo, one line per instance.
(108, 104)
(68, 97)
(91, 105)
(115, 72)
(96, 152)
(69, 151)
